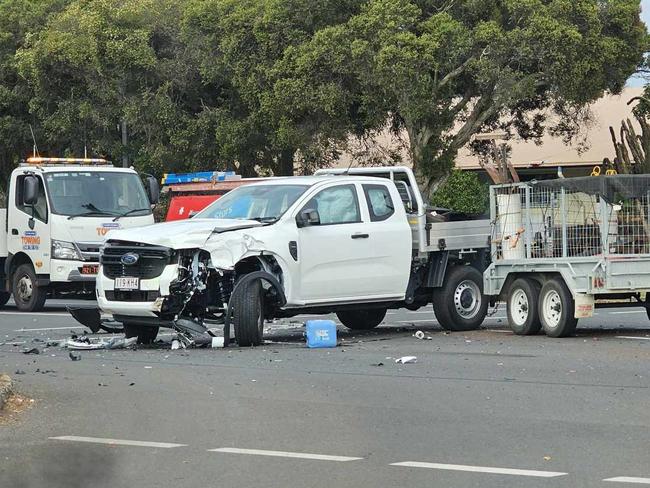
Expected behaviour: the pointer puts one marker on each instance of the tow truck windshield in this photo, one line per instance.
(96, 193)
(265, 203)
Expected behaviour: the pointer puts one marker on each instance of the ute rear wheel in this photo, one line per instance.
(523, 316)
(362, 319)
(28, 296)
(248, 314)
(459, 304)
(556, 309)
(146, 334)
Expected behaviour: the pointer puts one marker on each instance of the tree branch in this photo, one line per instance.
(454, 73)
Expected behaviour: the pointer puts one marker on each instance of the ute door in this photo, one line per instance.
(34, 239)
(336, 251)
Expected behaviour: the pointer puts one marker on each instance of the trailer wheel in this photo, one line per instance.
(362, 319)
(28, 296)
(146, 334)
(459, 304)
(523, 316)
(4, 298)
(248, 316)
(556, 309)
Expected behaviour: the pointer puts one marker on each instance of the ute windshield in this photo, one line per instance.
(97, 193)
(265, 203)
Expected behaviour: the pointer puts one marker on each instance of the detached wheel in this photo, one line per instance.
(248, 314)
(146, 334)
(28, 296)
(522, 307)
(4, 298)
(362, 319)
(459, 304)
(556, 309)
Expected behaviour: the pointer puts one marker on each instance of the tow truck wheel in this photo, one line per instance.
(459, 304)
(4, 298)
(556, 309)
(248, 317)
(362, 319)
(28, 296)
(146, 334)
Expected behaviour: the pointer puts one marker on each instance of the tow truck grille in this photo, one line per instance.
(150, 263)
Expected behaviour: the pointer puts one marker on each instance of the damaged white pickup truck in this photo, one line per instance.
(354, 242)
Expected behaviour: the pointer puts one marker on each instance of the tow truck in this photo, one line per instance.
(56, 215)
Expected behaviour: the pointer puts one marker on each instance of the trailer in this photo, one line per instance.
(561, 248)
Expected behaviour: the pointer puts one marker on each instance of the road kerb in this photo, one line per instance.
(6, 388)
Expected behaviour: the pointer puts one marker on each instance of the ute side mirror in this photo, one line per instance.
(30, 190)
(153, 189)
(307, 217)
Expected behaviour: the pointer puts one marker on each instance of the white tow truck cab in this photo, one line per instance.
(354, 242)
(57, 214)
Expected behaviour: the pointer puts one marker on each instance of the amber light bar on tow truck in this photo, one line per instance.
(39, 161)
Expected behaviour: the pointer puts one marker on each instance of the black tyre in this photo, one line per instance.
(556, 309)
(459, 304)
(28, 296)
(248, 314)
(4, 298)
(362, 319)
(523, 313)
(146, 334)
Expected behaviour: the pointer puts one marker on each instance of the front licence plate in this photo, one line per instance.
(127, 283)
(89, 269)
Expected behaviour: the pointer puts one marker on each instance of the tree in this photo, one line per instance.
(443, 70)
(18, 19)
(463, 192)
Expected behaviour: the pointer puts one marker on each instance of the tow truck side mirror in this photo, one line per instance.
(153, 190)
(308, 217)
(30, 190)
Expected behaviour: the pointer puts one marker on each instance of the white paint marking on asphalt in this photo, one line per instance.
(117, 442)
(481, 469)
(53, 314)
(627, 311)
(415, 321)
(634, 337)
(52, 328)
(629, 479)
(299, 455)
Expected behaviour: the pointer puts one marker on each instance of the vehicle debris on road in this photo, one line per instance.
(86, 344)
(407, 360)
(75, 356)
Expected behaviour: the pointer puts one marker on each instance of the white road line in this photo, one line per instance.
(117, 442)
(633, 337)
(481, 469)
(415, 321)
(629, 479)
(51, 314)
(52, 328)
(299, 455)
(627, 311)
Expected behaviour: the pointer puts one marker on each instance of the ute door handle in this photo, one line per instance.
(14, 232)
(360, 236)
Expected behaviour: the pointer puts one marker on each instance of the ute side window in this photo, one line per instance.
(380, 203)
(336, 205)
(40, 208)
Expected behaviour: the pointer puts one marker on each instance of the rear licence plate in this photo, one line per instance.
(89, 269)
(127, 283)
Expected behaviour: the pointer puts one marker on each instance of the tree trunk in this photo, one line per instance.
(286, 163)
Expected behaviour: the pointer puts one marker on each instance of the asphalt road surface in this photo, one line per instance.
(478, 409)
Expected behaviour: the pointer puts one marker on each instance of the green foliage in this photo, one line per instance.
(463, 191)
(260, 85)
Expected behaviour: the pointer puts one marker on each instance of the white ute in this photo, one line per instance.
(356, 243)
(57, 214)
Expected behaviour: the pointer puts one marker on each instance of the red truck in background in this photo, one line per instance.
(190, 193)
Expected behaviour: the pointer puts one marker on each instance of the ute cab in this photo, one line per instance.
(57, 214)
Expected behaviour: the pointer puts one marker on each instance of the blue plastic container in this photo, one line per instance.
(320, 333)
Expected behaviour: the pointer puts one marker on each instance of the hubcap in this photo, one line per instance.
(519, 307)
(467, 299)
(25, 288)
(552, 307)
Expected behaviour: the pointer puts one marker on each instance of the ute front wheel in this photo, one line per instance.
(248, 317)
